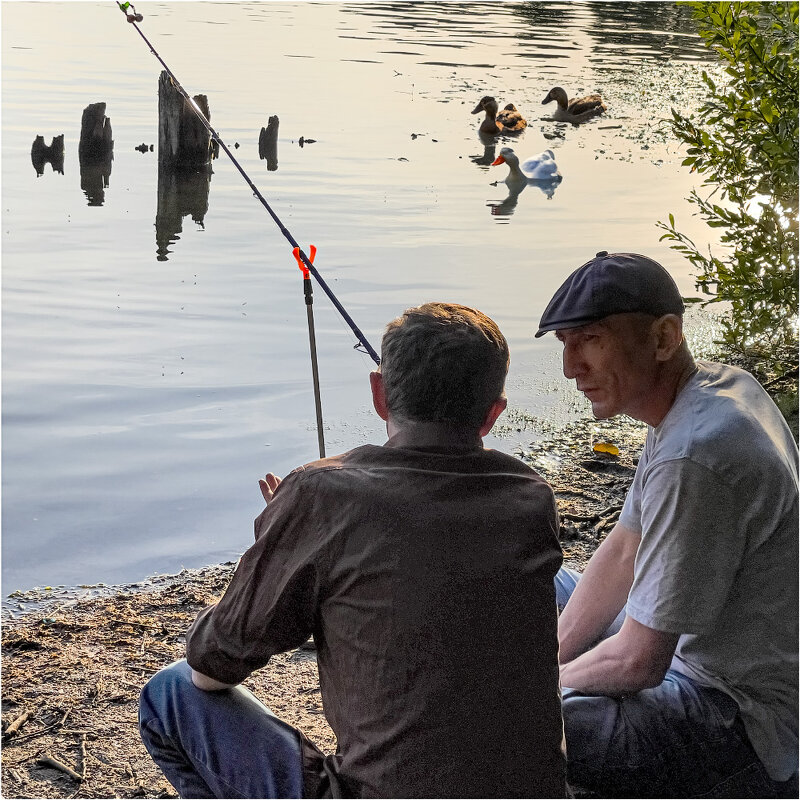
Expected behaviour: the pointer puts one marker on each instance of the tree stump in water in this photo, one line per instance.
(183, 140)
(96, 141)
(268, 143)
(95, 153)
(41, 154)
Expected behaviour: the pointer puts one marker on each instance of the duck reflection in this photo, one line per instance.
(41, 154)
(489, 146)
(181, 193)
(506, 207)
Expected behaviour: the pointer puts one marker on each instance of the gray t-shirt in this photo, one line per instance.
(715, 498)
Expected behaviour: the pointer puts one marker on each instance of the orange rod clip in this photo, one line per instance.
(300, 263)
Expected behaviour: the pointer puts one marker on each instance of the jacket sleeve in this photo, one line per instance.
(270, 604)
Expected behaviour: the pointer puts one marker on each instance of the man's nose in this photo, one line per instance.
(572, 363)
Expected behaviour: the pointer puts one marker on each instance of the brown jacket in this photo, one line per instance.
(426, 579)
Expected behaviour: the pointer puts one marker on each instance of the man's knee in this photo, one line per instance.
(589, 725)
(161, 691)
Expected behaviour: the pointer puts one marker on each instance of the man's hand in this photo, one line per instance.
(636, 658)
(268, 484)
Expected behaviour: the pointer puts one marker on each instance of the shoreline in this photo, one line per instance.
(73, 663)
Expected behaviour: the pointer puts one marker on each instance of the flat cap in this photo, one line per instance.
(612, 283)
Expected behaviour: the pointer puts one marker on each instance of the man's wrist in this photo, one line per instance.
(209, 684)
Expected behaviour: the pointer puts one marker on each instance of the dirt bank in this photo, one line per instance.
(73, 668)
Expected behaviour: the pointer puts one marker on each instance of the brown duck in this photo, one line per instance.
(511, 119)
(490, 124)
(577, 110)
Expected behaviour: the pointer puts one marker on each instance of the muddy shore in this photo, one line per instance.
(73, 666)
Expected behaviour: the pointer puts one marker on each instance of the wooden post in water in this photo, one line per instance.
(268, 143)
(41, 154)
(95, 153)
(183, 141)
(96, 141)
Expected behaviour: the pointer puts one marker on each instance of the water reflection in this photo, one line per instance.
(505, 208)
(95, 175)
(41, 154)
(630, 30)
(489, 143)
(614, 33)
(181, 193)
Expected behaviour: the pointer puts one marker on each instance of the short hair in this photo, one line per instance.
(443, 362)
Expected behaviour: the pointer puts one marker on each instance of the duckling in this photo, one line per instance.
(511, 119)
(490, 124)
(541, 167)
(577, 110)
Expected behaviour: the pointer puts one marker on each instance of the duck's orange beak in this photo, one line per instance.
(498, 160)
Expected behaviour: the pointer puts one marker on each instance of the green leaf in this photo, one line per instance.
(744, 141)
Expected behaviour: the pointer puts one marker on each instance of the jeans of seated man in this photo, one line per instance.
(679, 739)
(217, 744)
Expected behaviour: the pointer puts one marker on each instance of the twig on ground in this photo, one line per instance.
(82, 752)
(137, 624)
(14, 727)
(49, 761)
(43, 731)
(82, 762)
(578, 517)
(136, 688)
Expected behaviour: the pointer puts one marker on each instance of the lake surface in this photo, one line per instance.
(155, 351)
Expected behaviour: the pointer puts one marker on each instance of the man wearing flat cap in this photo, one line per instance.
(679, 641)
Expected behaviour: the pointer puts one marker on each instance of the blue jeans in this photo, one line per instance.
(679, 739)
(218, 744)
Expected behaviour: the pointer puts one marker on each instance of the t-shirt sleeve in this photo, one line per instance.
(269, 605)
(690, 549)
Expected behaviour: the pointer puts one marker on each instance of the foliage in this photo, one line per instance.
(745, 143)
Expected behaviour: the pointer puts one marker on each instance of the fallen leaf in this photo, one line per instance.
(604, 447)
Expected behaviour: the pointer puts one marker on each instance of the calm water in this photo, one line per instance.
(155, 354)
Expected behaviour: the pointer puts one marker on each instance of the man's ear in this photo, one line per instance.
(378, 395)
(495, 410)
(669, 336)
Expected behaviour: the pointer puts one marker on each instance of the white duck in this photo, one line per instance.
(577, 110)
(541, 167)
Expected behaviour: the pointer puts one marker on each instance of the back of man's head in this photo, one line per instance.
(444, 363)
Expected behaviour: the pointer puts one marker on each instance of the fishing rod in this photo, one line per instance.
(308, 291)
(133, 19)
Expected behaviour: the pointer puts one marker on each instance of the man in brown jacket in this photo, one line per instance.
(424, 570)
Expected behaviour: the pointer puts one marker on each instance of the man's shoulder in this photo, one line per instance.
(724, 420)
(382, 457)
(358, 455)
(729, 400)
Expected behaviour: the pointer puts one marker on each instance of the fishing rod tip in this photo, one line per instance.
(135, 16)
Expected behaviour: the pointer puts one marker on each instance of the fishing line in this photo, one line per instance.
(133, 19)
